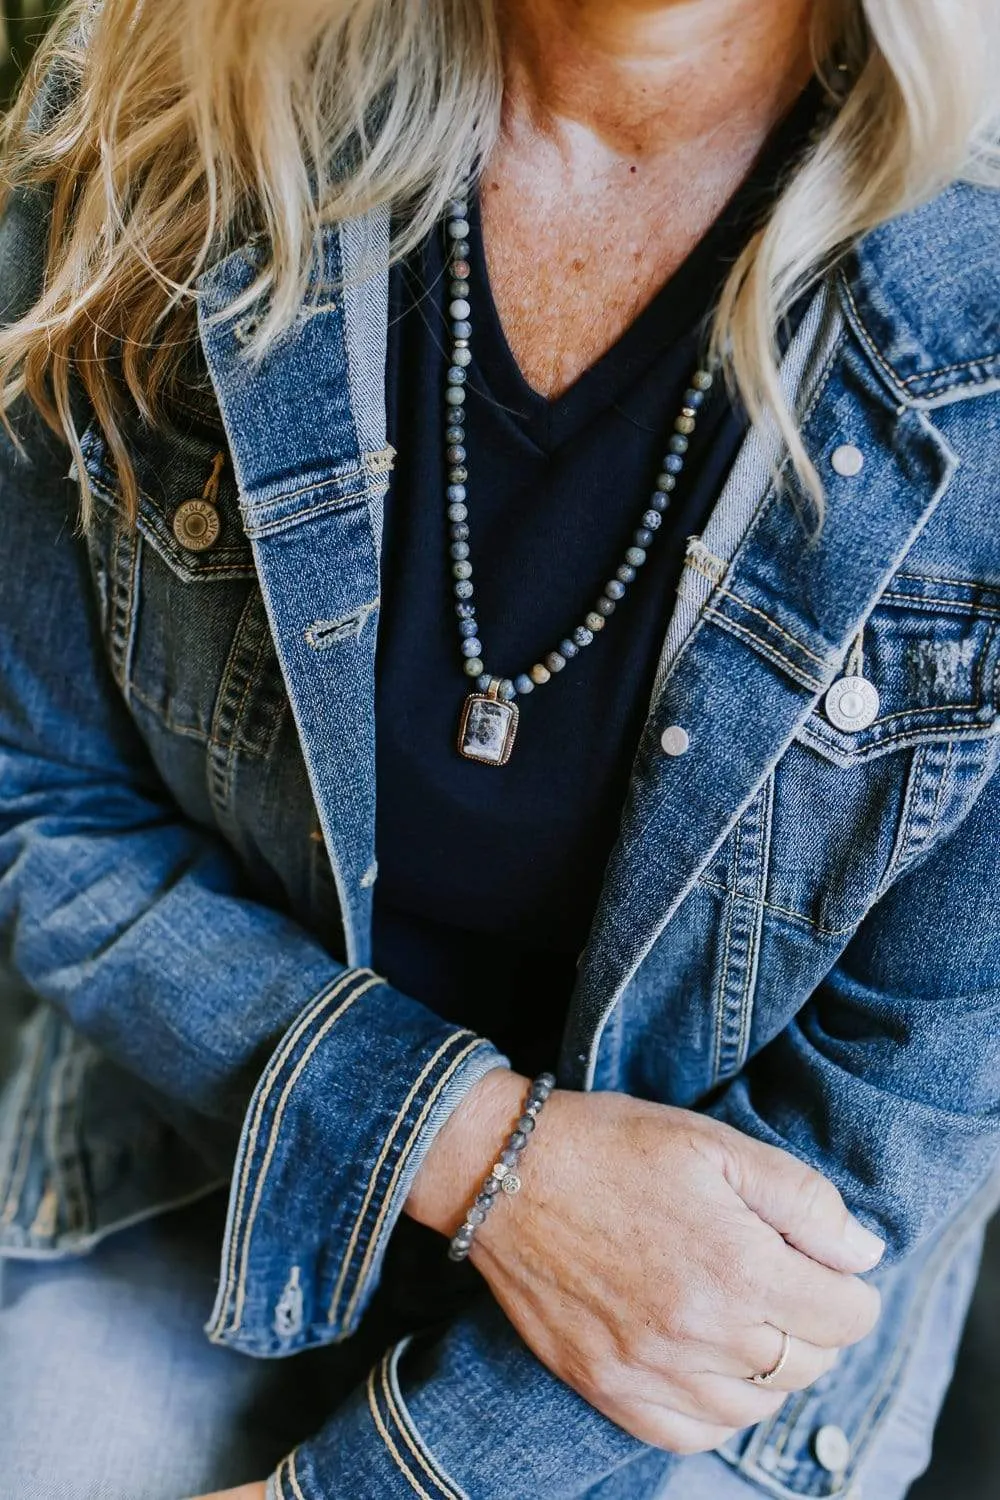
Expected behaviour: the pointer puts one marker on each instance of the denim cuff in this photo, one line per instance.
(339, 1123)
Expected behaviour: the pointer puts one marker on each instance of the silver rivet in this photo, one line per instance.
(675, 740)
(852, 704)
(832, 1448)
(847, 460)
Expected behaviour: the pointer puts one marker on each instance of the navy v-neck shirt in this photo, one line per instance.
(489, 877)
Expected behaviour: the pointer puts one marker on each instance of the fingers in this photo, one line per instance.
(820, 1306)
(805, 1363)
(801, 1204)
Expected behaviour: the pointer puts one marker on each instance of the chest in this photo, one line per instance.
(572, 265)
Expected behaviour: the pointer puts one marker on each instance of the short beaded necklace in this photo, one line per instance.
(490, 715)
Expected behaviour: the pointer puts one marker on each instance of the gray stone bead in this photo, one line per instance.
(485, 1200)
(483, 682)
(461, 357)
(491, 1187)
(523, 685)
(506, 690)
(462, 330)
(460, 287)
(456, 375)
(458, 475)
(454, 434)
(526, 1124)
(678, 443)
(703, 381)
(456, 494)
(464, 589)
(467, 628)
(456, 454)
(614, 588)
(582, 636)
(659, 501)
(652, 520)
(518, 1140)
(457, 208)
(606, 606)
(472, 647)
(508, 1156)
(457, 1253)
(458, 229)
(460, 532)
(594, 621)
(474, 668)
(569, 649)
(544, 1084)
(694, 398)
(454, 395)
(642, 537)
(635, 557)
(459, 551)
(465, 611)
(464, 1236)
(458, 512)
(625, 573)
(461, 570)
(461, 250)
(476, 1216)
(673, 463)
(555, 661)
(459, 310)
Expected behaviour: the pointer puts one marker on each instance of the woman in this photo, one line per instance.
(630, 536)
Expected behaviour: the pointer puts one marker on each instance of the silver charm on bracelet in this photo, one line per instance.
(502, 1177)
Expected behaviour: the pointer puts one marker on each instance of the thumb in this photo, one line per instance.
(802, 1205)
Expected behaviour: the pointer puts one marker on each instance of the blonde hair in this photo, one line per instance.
(180, 129)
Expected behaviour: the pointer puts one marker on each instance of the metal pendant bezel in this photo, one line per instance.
(513, 713)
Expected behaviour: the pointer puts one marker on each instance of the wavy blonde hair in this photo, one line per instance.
(168, 133)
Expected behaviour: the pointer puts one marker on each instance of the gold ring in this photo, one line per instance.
(766, 1376)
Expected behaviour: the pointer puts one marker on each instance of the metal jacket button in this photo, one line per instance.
(675, 740)
(196, 525)
(852, 704)
(832, 1448)
(847, 460)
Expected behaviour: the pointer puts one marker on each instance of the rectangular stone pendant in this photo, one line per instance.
(487, 730)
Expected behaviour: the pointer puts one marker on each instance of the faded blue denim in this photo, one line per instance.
(799, 930)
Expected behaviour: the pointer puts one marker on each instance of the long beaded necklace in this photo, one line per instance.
(489, 721)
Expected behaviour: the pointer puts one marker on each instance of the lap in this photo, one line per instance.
(110, 1390)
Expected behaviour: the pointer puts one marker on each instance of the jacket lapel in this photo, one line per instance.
(770, 638)
(306, 429)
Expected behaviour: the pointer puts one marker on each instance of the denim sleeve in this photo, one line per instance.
(888, 1080)
(325, 1084)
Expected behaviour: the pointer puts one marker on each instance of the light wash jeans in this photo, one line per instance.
(109, 1389)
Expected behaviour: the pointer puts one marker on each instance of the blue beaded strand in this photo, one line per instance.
(457, 472)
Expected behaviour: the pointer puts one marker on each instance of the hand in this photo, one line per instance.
(242, 1492)
(654, 1256)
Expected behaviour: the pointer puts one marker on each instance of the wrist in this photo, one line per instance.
(464, 1148)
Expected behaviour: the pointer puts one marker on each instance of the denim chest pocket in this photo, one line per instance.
(182, 613)
(931, 651)
(853, 809)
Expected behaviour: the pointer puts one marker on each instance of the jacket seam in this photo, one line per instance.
(431, 1100)
(285, 1047)
(752, 609)
(405, 1426)
(369, 1193)
(390, 1446)
(275, 1131)
(766, 649)
(781, 911)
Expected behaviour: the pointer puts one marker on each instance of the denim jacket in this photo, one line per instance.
(799, 928)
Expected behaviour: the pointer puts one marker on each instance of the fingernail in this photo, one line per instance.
(866, 1246)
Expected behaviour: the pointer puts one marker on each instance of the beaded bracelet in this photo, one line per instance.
(503, 1177)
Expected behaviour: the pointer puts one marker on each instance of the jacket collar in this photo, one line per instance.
(923, 295)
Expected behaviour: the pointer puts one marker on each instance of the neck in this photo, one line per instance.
(648, 75)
